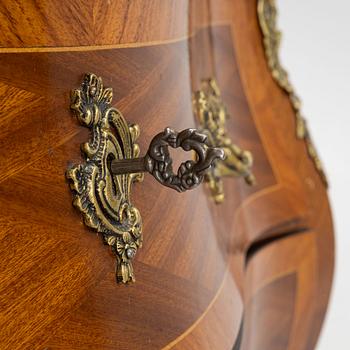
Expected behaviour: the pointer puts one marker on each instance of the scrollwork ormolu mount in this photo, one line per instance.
(267, 15)
(101, 185)
(212, 115)
(103, 199)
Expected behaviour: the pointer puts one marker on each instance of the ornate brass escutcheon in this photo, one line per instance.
(212, 115)
(101, 185)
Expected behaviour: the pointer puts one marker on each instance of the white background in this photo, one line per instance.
(316, 52)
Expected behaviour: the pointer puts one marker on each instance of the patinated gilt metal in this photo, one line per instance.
(267, 14)
(212, 115)
(104, 198)
(102, 184)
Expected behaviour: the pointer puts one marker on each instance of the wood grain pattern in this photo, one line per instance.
(71, 23)
(264, 257)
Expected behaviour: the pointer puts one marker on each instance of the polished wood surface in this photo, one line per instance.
(254, 272)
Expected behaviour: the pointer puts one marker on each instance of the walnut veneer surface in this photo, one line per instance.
(254, 272)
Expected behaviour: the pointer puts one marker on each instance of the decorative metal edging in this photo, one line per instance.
(267, 15)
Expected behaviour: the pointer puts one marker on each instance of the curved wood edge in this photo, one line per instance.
(219, 325)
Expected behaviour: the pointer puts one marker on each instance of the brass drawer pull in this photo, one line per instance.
(101, 185)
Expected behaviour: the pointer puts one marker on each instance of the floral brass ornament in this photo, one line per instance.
(104, 198)
(267, 14)
(101, 186)
(212, 115)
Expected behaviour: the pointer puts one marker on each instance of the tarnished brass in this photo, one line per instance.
(104, 198)
(101, 185)
(212, 115)
(267, 14)
(159, 163)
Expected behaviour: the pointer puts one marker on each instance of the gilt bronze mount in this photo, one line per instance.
(101, 185)
(212, 115)
(267, 15)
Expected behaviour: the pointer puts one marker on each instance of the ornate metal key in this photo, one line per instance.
(159, 163)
